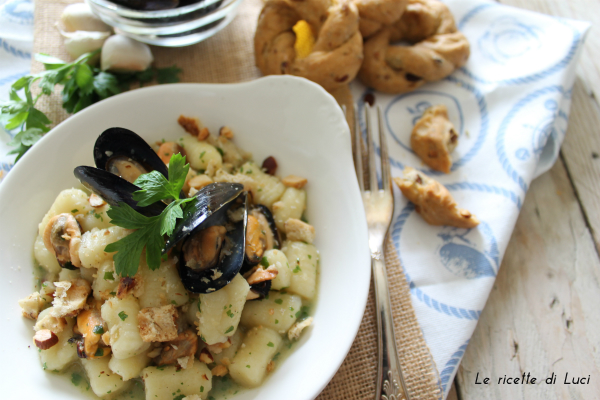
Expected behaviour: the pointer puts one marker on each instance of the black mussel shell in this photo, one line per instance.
(261, 289)
(264, 210)
(210, 199)
(115, 142)
(212, 279)
(114, 190)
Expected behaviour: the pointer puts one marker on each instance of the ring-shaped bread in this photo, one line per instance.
(337, 54)
(437, 51)
(375, 14)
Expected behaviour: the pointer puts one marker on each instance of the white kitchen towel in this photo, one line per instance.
(16, 42)
(510, 105)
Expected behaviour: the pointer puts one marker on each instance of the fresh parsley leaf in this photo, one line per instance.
(84, 77)
(168, 74)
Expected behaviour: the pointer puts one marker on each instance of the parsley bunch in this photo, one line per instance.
(149, 231)
(83, 85)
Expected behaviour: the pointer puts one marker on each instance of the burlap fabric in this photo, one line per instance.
(228, 57)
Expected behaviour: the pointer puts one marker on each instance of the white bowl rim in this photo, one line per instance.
(352, 320)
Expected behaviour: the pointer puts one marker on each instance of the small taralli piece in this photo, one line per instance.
(296, 329)
(70, 297)
(294, 181)
(226, 131)
(44, 339)
(433, 138)
(32, 305)
(299, 231)
(433, 201)
(185, 345)
(157, 324)
(130, 284)
(317, 40)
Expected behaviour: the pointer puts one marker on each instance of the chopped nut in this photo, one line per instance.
(294, 181)
(225, 361)
(204, 134)
(106, 338)
(219, 347)
(168, 149)
(186, 362)
(296, 329)
(219, 370)
(226, 131)
(261, 275)
(96, 201)
(271, 311)
(299, 231)
(206, 357)
(270, 366)
(191, 125)
(270, 165)
(157, 324)
(44, 339)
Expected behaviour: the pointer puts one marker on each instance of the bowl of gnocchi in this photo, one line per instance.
(255, 289)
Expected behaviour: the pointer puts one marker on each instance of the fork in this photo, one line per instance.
(379, 208)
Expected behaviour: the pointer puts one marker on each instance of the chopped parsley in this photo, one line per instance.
(109, 276)
(278, 301)
(270, 344)
(229, 329)
(264, 262)
(149, 231)
(123, 316)
(98, 330)
(99, 352)
(297, 269)
(74, 210)
(230, 314)
(76, 379)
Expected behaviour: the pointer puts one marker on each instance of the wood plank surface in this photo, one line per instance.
(541, 316)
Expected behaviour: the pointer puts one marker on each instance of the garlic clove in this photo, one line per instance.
(79, 17)
(121, 53)
(80, 42)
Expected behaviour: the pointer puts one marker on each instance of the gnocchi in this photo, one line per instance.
(147, 327)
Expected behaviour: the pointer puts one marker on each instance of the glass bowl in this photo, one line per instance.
(175, 27)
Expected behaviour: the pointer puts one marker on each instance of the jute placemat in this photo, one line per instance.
(228, 57)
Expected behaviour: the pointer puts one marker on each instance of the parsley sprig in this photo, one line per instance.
(149, 231)
(83, 85)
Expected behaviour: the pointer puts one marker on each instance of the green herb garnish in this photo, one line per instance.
(150, 231)
(123, 316)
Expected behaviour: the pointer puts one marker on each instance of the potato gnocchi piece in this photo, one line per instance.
(162, 382)
(68, 274)
(106, 282)
(97, 218)
(103, 381)
(231, 153)
(267, 188)
(226, 355)
(278, 259)
(291, 205)
(249, 366)
(278, 312)
(129, 368)
(91, 250)
(304, 260)
(46, 259)
(200, 153)
(72, 201)
(122, 319)
(162, 286)
(62, 354)
(220, 311)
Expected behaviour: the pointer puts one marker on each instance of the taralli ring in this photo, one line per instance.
(375, 14)
(316, 39)
(437, 50)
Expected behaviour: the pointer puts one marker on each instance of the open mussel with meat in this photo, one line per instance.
(261, 235)
(124, 153)
(211, 237)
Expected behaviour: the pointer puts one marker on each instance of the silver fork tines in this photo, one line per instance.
(378, 201)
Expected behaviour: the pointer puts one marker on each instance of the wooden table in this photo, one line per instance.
(543, 314)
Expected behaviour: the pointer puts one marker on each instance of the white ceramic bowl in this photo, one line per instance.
(290, 118)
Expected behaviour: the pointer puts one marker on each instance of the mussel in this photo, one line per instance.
(261, 235)
(125, 154)
(211, 237)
